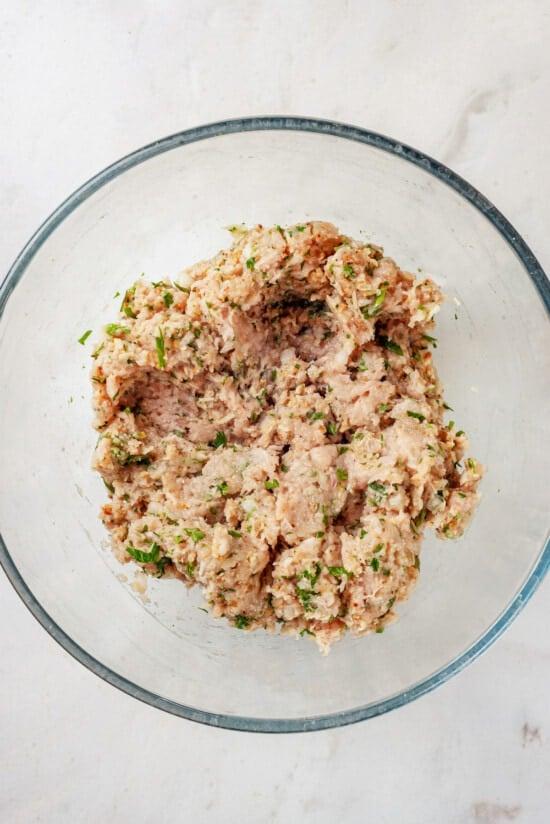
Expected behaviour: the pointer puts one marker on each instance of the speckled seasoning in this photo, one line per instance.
(271, 429)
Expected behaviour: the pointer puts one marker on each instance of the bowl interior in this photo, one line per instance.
(167, 212)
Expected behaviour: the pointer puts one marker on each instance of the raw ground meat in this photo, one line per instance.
(271, 429)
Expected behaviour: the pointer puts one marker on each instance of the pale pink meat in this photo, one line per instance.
(271, 429)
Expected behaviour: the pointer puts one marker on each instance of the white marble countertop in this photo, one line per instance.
(83, 84)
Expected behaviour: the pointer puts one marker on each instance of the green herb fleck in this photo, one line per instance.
(151, 557)
(374, 308)
(348, 271)
(161, 352)
(332, 428)
(417, 522)
(223, 488)
(375, 564)
(418, 415)
(389, 344)
(431, 340)
(341, 474)
(315, 416)
(340, 571)
(114, 329)
(234, 533)
(459, 433)
(306, 631)
(242, 621)
(417, 562)
(82, 340)
(363, 533)
(195, 534)
(272, 483)
(250, 263)
(378, 548)
(383, 407)
(168, 299)
(219, 440)
(190, 568)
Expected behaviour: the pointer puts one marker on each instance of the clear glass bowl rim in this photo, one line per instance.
(532, 268)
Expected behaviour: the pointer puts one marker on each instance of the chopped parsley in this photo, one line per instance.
(242, 621)
(320, 534)
(378, 548)
(378, 488)
(250, 263)
(315, 416)
(372, 309)
(299, 228)
(272, 483)
(190, 568)
(418, 415)
(151, 557)
(125, 305)
(161, 351)
(168, 299)
(362, 366)
(83, 338)
(363, 533)
(234, 533)
(332, 428)
(375, 564)
(305, 596)
(348, 271)
(431, 340)
(219, 440)
(223, 488)
(114, 329)
(459, 433)
(306, 631)
(195, 534)
(312, 577)
(341, 474)
(383, 407)
(109, 486)
(416, 523)
(390, 345)
(446, 406)
(340, 571)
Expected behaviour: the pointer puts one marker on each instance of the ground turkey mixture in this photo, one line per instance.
(271, 428)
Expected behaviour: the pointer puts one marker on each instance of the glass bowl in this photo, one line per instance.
(166, 206)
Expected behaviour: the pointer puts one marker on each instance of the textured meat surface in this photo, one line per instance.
(271, 429)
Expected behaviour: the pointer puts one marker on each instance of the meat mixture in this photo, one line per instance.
(271, 429)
